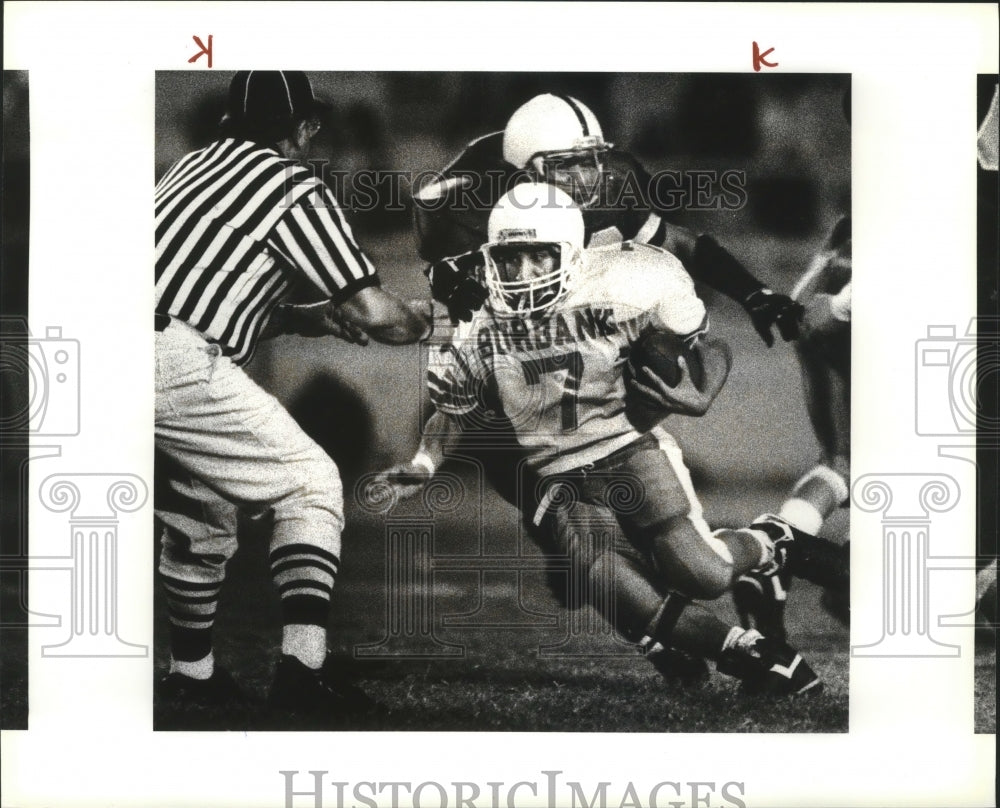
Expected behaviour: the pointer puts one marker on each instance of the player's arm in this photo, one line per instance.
(710, 263)
(687, 397)
(409, 478)
(453, 382)
(679, 310)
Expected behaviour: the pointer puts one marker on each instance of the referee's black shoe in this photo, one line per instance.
(219, 690)
(326, 696)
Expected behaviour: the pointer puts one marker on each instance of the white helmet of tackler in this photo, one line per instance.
(550, 124)
(530, 214)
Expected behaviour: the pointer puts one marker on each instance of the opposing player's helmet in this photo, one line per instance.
(560, 139)
(535, 249)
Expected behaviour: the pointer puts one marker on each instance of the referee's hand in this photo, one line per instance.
(325, 320)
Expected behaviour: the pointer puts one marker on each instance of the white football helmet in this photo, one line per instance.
(560, 139)
(535, 249)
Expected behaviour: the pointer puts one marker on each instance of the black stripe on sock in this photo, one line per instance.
(191, 586)
(191, 599)
(303, 549)
(190, 644)
(665, 620)
(305, 583)
(326, 569)
(187, 617)
(305, 610)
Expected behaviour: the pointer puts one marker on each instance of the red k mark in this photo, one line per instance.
(207, 51)
(758, 58)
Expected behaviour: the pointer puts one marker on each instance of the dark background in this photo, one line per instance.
(14, 400)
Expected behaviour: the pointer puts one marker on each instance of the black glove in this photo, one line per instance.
(453, 282)
(767, 309)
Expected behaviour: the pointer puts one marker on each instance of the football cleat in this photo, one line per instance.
(319, 695)
(219, 690)
(675, 665)
(768, 667)
(760, 602)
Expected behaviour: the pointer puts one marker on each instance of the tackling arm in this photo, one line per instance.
(710, 263)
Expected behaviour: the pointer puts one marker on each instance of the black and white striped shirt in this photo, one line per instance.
(237, 225)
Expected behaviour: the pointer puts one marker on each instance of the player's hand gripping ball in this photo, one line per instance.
(665, 375)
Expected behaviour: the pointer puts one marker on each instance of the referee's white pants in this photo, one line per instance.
(224, 442)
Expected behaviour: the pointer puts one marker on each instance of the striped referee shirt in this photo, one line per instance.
(237, 226)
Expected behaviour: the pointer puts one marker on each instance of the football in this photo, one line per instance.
(659, 351)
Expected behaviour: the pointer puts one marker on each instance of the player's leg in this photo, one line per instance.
(197, 531)
(828, 401)
(667, 522)
(760, 600)
(223, 429)
(618, 580)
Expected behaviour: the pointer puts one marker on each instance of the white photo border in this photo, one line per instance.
(92, 70)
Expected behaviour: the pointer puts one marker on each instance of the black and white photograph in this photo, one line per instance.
(475, 404)
(566, 535)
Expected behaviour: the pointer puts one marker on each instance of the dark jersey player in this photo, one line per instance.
(557, 139)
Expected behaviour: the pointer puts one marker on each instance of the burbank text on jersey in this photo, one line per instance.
(329, 792)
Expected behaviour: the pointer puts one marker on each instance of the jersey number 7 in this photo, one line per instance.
(570, 363)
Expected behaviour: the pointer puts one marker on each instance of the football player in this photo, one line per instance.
(824, 349)
(557, 139)
(544, 359)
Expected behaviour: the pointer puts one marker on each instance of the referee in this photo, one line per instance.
(239, 225)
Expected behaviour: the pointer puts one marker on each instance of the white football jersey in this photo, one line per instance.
(557, 380)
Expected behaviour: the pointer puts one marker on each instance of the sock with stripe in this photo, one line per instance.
(304, 576)
(191, 607)
(196, 669)
(681, 623)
